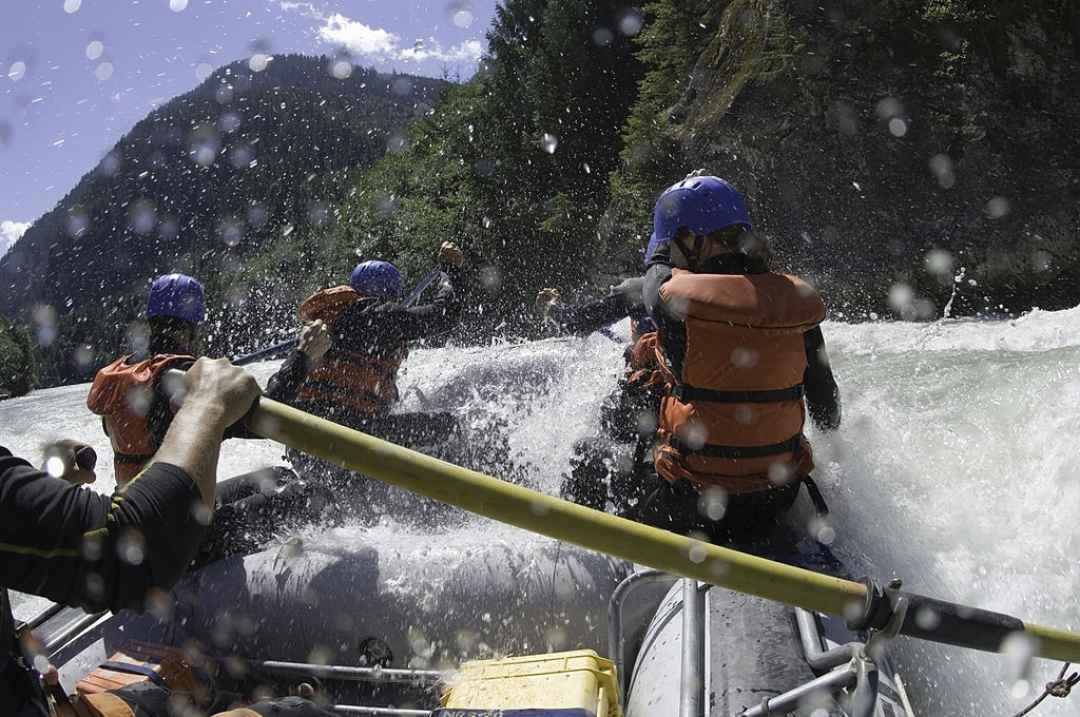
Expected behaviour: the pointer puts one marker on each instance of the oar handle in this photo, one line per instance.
(421, 286)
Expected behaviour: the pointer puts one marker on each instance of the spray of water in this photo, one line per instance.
(955, 468)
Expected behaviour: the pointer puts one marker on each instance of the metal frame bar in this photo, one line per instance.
(53, 643)
(902, 691)
(344, 673)
(388, 711)
(820, 659)
(692, 682)
(830, 682)
(41, 618)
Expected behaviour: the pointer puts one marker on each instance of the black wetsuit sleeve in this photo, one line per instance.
(417, 322)
(658, 273)
(584, 319)
(360, 328)
(822, 393)
(77, 547)
(285, 384)
(672, 327)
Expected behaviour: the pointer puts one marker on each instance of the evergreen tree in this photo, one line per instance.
(17, 370)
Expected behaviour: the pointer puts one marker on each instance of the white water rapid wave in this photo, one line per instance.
(956, 467)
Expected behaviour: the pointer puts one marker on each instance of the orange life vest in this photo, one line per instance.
(642, 368)
(361, 383)
(122, 393)
(733, 417)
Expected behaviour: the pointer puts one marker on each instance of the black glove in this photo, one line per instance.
(289, 707)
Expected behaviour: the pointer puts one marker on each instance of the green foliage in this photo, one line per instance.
(865, 137)
(479, 171)
(17, 369)
(669, 47)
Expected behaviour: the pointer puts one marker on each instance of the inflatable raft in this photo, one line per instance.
(382, 631)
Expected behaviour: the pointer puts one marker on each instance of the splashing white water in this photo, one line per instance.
(955, 467)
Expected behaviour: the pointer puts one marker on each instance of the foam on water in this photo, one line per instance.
(1035, 331)
(956, 467)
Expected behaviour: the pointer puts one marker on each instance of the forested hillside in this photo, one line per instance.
(911, 157)
(513, 165)
(208, 184)
(900, 156)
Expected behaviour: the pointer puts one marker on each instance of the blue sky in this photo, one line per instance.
(76, 74)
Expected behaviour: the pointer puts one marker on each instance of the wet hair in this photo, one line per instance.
(736, 239)
(163, 331)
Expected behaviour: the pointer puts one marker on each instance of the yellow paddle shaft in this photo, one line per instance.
(588, 528)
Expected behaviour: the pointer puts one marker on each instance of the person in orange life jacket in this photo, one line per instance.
(128, 393)
(605, 466)
(741, 348)
(356, 383)
(60, 542)
(136, 413)
(370, 330)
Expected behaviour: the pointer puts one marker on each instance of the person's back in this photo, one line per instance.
(357, 377)
(355, 384)
(125, 393)
(370, 330)
(739, 346)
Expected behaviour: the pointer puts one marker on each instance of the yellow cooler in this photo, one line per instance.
(564, 684)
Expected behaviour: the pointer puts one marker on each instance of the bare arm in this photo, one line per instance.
(216, 395)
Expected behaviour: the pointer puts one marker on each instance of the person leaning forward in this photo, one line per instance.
(741, 349)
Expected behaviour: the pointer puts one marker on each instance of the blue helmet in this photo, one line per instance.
(701, 204)
(376, 278)
(177, 296)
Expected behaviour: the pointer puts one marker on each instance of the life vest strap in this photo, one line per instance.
(816, 497)
(691, 393)
(710, 450)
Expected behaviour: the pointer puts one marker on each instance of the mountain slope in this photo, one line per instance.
(204, 185)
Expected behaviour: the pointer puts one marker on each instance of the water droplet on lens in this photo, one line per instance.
(631, 23)
(54, 466)
(259, 62)
(16, 71)
(95, 49)
(463, 19)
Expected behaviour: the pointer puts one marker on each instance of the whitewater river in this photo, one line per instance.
(956, 469)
